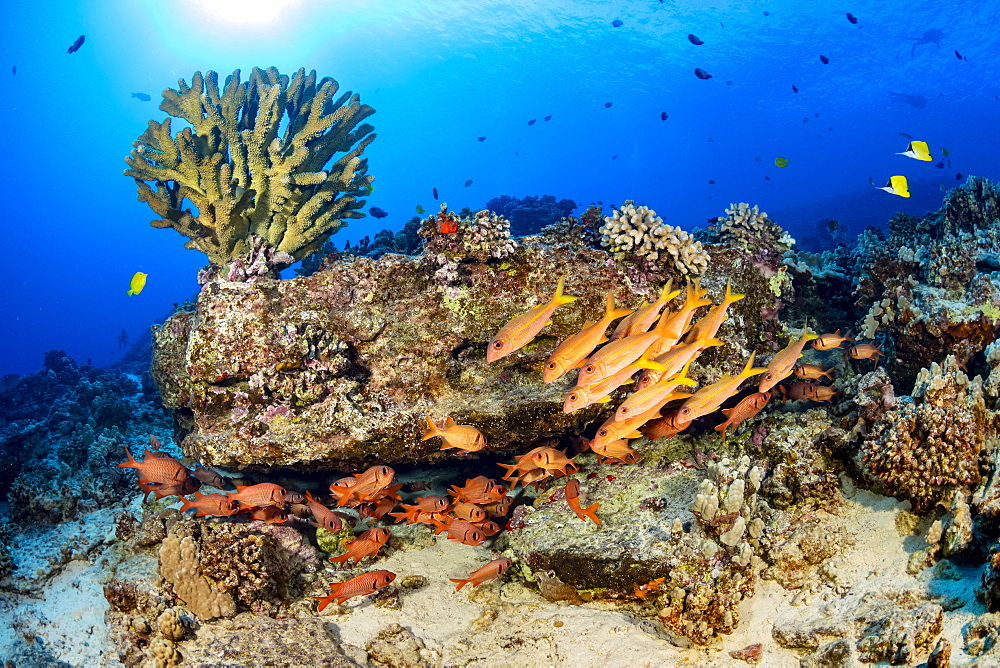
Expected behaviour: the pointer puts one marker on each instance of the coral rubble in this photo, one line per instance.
(256, 160)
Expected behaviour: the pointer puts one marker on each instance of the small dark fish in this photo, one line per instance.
(710, 139)
(547, 118)
(434, 191)
(663, 116)
(468, 183)
(701, 74)
(940, 165)
(805, 120)
(957, 54)
(729, 83)
(616, 23)
(816, 115)
(141, 96)
(757, 159)
(531, 122)
(482, 139)
(694, 40)
(832, 225)
(722, 24)
(711, 182)
(600, 202)
(905, 134)
(825, 60)
(795, 89)
(607, 105)
(958, 177)
(13, 70)
(767, 13)
(75, 46)
(852, 18)
(614, 157)
(767, 178)
(377, 212)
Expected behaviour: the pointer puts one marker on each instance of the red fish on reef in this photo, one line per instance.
(462, 531)
(367, 485)
(831, 341)
(464, 437)
(323, 516)
(748, 407)
(365, 584)
(863, 351)
(573, 499)
(268, 514)
(209, 504)
(424, 510)
(490, 571)
(479, 490)
(156, 467)
(366, 545)
(262, 494)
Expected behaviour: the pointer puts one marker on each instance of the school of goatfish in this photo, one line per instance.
(653, 341)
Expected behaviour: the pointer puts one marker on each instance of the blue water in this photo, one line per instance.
(441, 74)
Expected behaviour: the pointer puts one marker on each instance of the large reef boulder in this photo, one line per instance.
(341, 367)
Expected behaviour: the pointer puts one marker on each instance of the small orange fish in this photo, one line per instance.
(573, 351)
(491, 571)
(812, 372)
(465, 437)
(780, 366)
(487, 527)
(642, 400)
(366, 485)
(366, 545)
(269, 514)
(573, 499)
(644, 317)
(209, 504)
(550, 459)
(459, 530)
(748, 407)
(642, 590)
(156, 467)
(498, 508)
(665, 427)
(424, 509)
(864, 351)
(525, 327)
(469, 512)
(674, 360)
(261, 494)
(831, 341)
(618, 451)
(710, 397)
(709, 325)
(323, 516)
(367, 583)
(479, 490)
(585, 395)
(613, 430)
(675, 324)
(161, 490)
(806, 390)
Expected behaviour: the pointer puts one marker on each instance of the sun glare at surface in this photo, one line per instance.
(247, 13)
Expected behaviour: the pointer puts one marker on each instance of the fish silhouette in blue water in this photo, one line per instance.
(377, 212)
(960, 56)
(767, 13)
(852, 18)
(795, 89)
(607, 105)
(663, 116)
(482, 139)
(547, 118)
(701, 74)
(468, 183)
(434, 191)
(932, 36)
(531, 122)
(694, 40)
(824, 59)
(13, 70)
(141, 96)
(616, 23)
(75, 46)
(915, 101)
(906, 134)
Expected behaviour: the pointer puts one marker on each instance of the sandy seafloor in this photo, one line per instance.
(460, 628)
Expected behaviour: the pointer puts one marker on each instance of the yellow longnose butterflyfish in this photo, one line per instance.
(917, 150)
(137, 283)
(897, 185)
(523, 328)
(573, 351)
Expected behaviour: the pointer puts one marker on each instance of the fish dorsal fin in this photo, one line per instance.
(449, 423)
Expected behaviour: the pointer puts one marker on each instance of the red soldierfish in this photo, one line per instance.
(523, 328)
(365, 584)
(465, 437)
(573, 499)
(262, 494)
(490, 571)
(748, 407)
(209, 504)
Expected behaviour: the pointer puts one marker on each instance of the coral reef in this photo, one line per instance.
(924, 451)
(748, 227)
(528, 215)
(255, 161)
(638, 231)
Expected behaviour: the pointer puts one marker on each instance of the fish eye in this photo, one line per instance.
(574, 397)
(589, 368)
(551, 365)
(282, 491)
(624, 410)
(603, 432)
(768, 376)
(498, 344)
(686, 411)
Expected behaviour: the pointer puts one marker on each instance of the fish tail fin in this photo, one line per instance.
(591, 513)
(461, 582)
(645, 362)
(668, 293)
(730, 295)
(610, 312)
(847, 337)
(749, 370)
(186, 505)
(559, 298)
(324, 601)
(724, 426)
(431, 431)
(131, 463)
(341, 559)
(681, 376)
(439, 526)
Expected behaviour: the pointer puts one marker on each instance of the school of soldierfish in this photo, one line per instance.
(658, 347)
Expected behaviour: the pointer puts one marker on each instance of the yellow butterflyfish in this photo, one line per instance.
(897, 185)
(137, 283)
(917, 150)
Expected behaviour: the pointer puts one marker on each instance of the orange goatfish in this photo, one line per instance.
(612, 431)
(748, 407)
(262, 494)
(674, 360)
(619, 355)
(523, 328)
(465, 437)
(490, 571)
(573, 351)
(710, 397)
(831, 341)
(812, 372)
(365, 545)
(323, 516)
(708, 326)
(573, 499)
(209, 504)
(675, 324)
(781, 365)
(642, 400)
(583, 396)
(365, 584)
(644, 317)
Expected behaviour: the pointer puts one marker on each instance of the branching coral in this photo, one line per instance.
(633, 230)
(255, 161)
(748, 226)
(925, 450)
